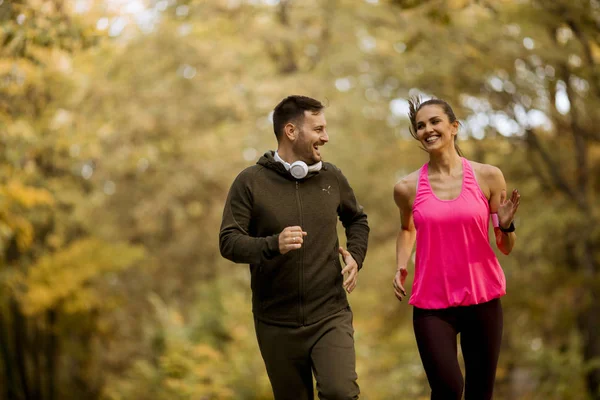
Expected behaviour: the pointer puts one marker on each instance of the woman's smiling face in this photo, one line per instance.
(434, 129)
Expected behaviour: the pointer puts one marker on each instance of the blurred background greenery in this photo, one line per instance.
(123, 123)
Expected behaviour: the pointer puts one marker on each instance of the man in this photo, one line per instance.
(281, 218)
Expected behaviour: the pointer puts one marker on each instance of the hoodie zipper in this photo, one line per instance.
(301, 267)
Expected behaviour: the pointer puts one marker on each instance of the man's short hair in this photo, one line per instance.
(291, 109)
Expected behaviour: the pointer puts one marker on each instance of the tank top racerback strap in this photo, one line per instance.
(423, 189)
(470, 181)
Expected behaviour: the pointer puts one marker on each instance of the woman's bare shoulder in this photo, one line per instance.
(486, 171)
(406, 188)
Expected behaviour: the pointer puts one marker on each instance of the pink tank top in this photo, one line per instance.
(455, 264)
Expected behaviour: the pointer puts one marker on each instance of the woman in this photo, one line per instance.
(445, 206)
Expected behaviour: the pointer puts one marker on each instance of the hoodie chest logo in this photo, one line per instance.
(327, 190)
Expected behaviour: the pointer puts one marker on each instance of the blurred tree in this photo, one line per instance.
(50, 267)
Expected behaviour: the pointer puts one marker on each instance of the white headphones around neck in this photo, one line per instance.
(298, 169)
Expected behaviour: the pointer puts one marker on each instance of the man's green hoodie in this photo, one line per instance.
(305, 285)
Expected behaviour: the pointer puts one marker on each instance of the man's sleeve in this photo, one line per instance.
(235, 242)
(354, 220)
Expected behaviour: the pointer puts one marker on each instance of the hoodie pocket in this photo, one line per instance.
(339, 280)
(277, 284)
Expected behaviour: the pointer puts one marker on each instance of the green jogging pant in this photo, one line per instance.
(325, 348)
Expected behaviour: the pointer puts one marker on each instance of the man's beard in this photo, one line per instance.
(306, 155)
(312, 158)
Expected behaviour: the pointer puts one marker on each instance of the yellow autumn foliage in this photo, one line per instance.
(65, 278)
(25, 196)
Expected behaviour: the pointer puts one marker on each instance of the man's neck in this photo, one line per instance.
(287, 156)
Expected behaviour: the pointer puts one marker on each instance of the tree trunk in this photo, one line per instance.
(589, 321)
(36, 345)
(51, 352)
(589, 324)
(10, 391)
(20, 344)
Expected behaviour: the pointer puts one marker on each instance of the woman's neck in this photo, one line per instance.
(445, 163)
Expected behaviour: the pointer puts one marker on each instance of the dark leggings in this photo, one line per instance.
(480, 328)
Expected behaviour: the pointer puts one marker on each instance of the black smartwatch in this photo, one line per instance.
(510, 229)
